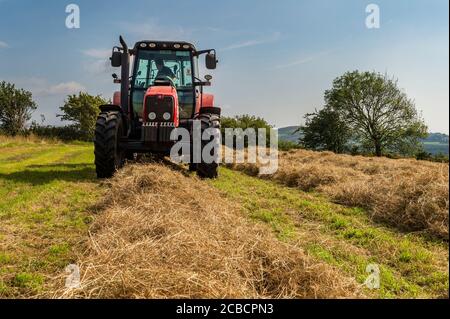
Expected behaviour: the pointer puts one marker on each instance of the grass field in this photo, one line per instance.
(52, 213)
(345, 238)
(46, 190)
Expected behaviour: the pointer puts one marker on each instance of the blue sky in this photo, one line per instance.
(276, 57)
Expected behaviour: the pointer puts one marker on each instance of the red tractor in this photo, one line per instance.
(163, 93)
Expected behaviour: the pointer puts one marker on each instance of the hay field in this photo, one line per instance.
(408, 194)
(156, 230)
(163, 235)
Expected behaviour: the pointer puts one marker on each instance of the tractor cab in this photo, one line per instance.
(154, 65)
(160, 90)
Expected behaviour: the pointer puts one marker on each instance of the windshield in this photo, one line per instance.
(175, 66)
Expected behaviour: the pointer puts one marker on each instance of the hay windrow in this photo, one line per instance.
(163, 235)
(408, 194)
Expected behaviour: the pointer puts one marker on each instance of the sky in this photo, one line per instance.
(276, 58)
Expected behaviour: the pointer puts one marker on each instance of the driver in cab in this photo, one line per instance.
(163, 71)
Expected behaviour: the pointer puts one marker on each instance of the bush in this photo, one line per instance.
(244, 122)
(426, 156)
(63, 133)
(287, 145)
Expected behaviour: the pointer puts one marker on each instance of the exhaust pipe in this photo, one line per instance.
(125, 77)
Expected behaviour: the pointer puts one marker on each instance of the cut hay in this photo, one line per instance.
(408, 194)
(160, 234)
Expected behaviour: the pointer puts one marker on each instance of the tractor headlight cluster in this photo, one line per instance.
(151, 116)
(166, 116)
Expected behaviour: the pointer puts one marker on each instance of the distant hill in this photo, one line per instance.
(437, 138)
(288, 133)
(435, 143)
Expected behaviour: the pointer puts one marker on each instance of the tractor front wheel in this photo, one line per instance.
(108, 155)
(208, 121)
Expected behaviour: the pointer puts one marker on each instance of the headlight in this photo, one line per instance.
(151, 115)
(166, 116)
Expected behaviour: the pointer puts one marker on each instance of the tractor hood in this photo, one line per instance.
(161, 105)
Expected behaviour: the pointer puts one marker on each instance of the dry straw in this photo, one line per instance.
(161, 234)
(408, 194)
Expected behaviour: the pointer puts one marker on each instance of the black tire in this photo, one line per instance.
(208, 120)
(192, 167)
(130, 156)
(108, 156)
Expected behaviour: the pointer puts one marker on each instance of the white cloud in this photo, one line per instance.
(41, 87)
(98, 67)
(3, 45)
(252, 42)
(303, 60)
(97, 53)
(97, 61)
(65, 88)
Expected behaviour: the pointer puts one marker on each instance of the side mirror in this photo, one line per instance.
(116, 59)
(211, 61)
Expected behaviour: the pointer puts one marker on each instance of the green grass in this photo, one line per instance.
(345, 238)
(46, 191)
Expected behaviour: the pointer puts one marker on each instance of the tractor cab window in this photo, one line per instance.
(175, 66)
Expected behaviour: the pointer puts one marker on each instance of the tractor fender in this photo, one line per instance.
(205, 104)
(207, 100)
(210, 110)
(110, 107)
(116, 98)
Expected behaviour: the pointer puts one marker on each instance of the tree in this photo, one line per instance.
(325, 130)
(82, 109)
(378, 112)
(16, 107)
(243, 122)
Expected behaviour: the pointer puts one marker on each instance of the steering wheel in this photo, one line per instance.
(165, 78)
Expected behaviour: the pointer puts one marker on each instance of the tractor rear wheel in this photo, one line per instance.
(108, 155)
(130, 156)
(208, 120)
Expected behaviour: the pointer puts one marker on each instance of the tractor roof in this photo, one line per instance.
(161, 45)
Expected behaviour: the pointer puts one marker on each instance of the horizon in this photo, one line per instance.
(275, 61)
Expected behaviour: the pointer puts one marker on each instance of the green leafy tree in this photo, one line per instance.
(378, 112)
(16, 107)
(245, 121)
(82, 110)
(325, 130)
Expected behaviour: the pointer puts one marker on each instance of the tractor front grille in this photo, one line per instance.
(150, 132)
(157, 132)
(159, 105)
